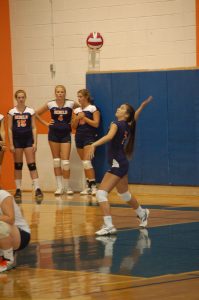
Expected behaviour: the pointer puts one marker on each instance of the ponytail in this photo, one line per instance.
(132, 125)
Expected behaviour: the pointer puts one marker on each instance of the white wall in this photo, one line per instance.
(138, 34)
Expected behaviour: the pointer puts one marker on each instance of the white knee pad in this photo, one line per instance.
(125, 196)
(87, 164)
(101, 196)
(65, 165)
(57, 162)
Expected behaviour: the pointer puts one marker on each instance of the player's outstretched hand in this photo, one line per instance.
(147, 100)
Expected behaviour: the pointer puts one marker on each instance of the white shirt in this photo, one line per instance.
(19, 219)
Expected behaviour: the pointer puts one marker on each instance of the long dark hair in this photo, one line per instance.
(132, 124)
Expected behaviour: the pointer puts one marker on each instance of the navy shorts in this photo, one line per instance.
(23, 141)
(59, 137)
(119, 169)
(25, 239)
(82, 141)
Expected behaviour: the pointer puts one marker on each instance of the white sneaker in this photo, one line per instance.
(86, 191)
(93, 190)
(144, 219)
(4, 230)
(59, 191)
(68, 191)
(106, 230)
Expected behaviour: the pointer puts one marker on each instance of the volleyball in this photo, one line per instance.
(94, 40)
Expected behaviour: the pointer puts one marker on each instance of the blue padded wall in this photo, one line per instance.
(167, 137)
(183, 134)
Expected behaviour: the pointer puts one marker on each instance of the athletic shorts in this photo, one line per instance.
(23, 141)
(54, 136)
(119, 169)
(82, 141)
(25, 239)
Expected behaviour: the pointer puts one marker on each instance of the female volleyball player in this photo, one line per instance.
(86, 120)
(2, 140)
(121, 136)
(14, 231)
(23, 139)
(59, 136)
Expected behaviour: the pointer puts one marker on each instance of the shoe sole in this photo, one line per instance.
(58, 194)
(106, 234)
(7, 268)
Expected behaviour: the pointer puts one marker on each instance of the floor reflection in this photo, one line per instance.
(144, 253)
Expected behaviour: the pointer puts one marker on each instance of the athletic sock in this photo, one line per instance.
(59, 181)
(35, 183)
(65, 182)
(108, 221)
(18, 183)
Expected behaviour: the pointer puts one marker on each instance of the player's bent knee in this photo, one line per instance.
(65, 165)
(32, 166)
(18, 166)
(56, 162)
(125, 196)
(87, 164)
(101, 196)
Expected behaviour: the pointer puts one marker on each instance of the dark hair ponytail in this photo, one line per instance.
(132, 124)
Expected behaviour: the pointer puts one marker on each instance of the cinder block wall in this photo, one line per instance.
(138, 34)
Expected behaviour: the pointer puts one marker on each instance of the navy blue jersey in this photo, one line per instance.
(21, 121)
(61, 115)
(116, 145)
(84, 128)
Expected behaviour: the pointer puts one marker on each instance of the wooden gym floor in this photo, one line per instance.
(66, 261)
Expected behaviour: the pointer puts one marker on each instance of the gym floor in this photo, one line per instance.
(65, 260)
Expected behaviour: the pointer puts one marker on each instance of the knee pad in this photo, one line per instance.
(101, 196)
(65, 165)
(56, 162)
(32, 167)
(18, 166)
(125, 196)
(87, 164)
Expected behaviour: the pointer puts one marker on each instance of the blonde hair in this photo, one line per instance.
(60, 86)
(18, 92)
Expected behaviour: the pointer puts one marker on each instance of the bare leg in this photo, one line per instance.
(89, 173)
(30, 158)
(65, 155)
(122, 187)
(18, 158)
(108, 183)
(56, 153)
